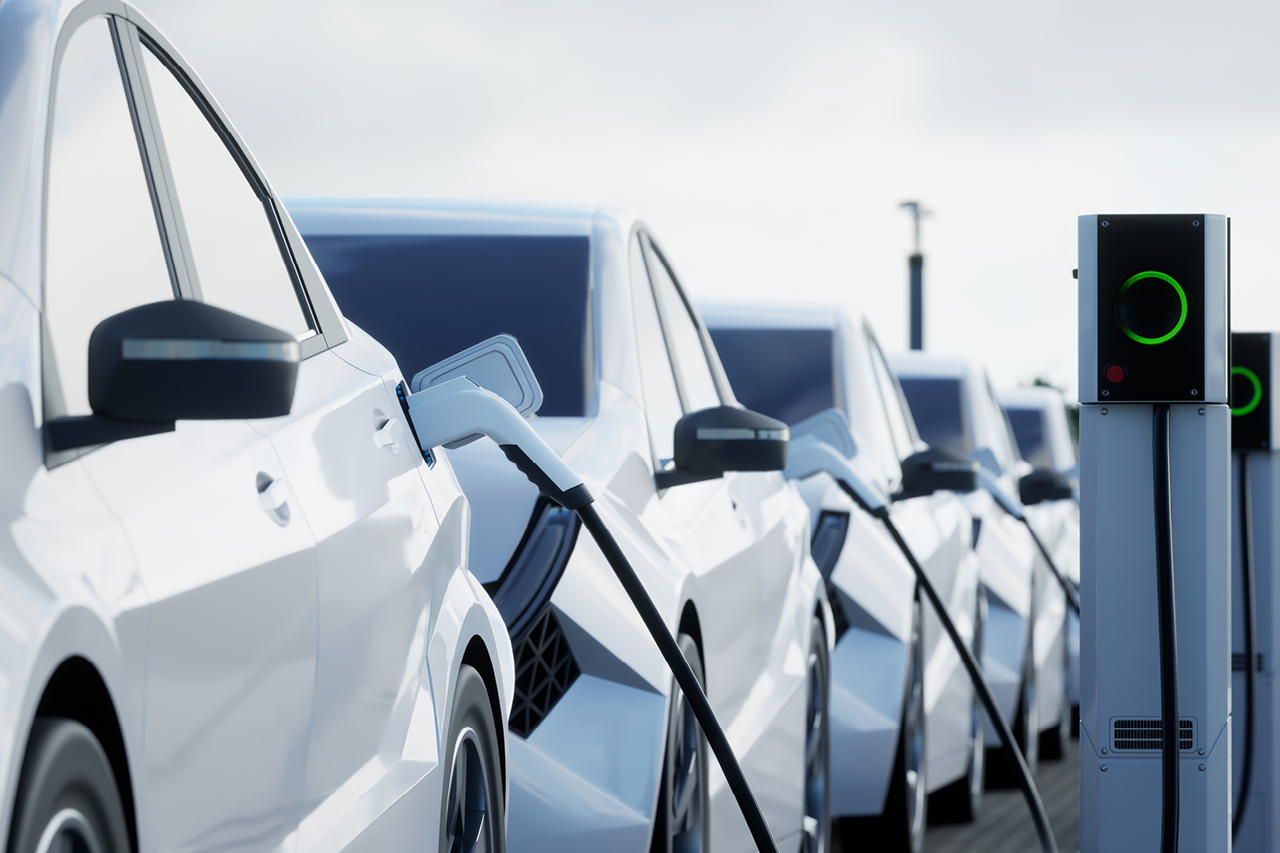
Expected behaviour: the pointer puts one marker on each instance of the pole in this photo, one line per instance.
(915, 266)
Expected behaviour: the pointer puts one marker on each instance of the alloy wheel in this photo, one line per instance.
(468, 828)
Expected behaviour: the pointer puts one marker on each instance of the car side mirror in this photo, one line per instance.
(937, 469)
(177, 360)
(1044, 485)
(725, 438)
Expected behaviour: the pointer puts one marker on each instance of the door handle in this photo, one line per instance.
(273, 498)
(384, 436)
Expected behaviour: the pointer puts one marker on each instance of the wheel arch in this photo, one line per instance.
(477, 657)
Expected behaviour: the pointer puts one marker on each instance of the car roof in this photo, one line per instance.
(916, 363)
(349, 216)
(1035, 397)
(768, 314)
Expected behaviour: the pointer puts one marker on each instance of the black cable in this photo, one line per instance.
(1068, 588)
(684, 677)
(1034, 804)
(1169, 750)
(1250, 640)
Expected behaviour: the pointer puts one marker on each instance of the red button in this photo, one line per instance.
(1115, 373)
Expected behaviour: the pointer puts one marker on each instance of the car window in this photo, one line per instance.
(938, 411)
(786, 374)
(103, 251)
(899, 426)
(1028, 429)
(661, 400)
(1005, 446)
(233, 241)
(696, 379)
(465, 289)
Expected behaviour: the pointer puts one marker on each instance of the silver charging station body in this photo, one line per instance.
(1256, 443)
(1122, 376)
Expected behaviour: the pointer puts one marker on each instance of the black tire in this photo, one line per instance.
(1001, 772)
(67, 788)
(681, 820)
(816, 825)
(961, 801)
(1054, 741)
(473, 808)
(900, 827)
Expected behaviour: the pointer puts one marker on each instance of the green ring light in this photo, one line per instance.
(1182, 298)
(1241, 411)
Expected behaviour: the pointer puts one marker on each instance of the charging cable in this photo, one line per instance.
(457, 410)
(1169, 749)
(1069, 588)
(1250, 640)
(809, 455)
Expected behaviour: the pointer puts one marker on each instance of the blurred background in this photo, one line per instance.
(770, 144)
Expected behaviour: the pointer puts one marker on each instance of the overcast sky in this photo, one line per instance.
(769, 145)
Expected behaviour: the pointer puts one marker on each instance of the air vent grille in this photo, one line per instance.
(545, 669)
(1145, 734)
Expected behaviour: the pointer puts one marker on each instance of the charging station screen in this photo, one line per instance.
(788, 374)
(426, 297)
(1250, 390)
(937, 409)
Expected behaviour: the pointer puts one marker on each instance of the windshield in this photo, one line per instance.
(427, 297)
(786, 374)
(937, 410)
(1028, 428)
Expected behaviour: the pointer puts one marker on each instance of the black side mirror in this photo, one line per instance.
(1044, 485)
(724, 438)
(937, 469)
(179, 360)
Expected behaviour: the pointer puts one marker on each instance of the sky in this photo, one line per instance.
(769, 145)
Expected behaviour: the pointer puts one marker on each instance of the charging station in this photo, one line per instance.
(1255, 596)
(1155, 437)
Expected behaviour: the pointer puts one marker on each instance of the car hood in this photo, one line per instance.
(502, 499)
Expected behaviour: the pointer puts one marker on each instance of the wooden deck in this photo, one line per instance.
(1004, 825)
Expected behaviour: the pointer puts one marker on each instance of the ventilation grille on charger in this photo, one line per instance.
(1144, 733)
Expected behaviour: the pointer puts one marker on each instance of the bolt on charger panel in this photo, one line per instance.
(1151, 308)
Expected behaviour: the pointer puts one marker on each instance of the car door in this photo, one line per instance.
(225, 564)
(746, 553)
(356, 466)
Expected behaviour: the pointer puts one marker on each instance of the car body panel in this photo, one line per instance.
(199, 608)
(873, 581)
(732, 552)
(1026, 608)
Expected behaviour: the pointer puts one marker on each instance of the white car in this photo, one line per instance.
(235, 611)
(1024, 646)
(604, 754)
(1039, 419)
(904, 717)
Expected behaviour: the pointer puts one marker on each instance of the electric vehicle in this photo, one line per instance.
(1024, 652)
(1038, 417)
(604, 754)
(904, 719)
(235, 611)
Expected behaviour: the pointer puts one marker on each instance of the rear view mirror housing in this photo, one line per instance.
(937, 469)
(176, 360)
(1045, 485)
(725, 438)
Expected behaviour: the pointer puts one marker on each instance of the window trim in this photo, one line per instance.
(648, 245)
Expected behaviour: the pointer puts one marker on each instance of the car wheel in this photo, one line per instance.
(900, 827)
(1053, 742)
(960, 801)
(816, 837)
(680, 822)
(67, 797)
(472, 814)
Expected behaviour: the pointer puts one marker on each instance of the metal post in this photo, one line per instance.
(915, 264)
